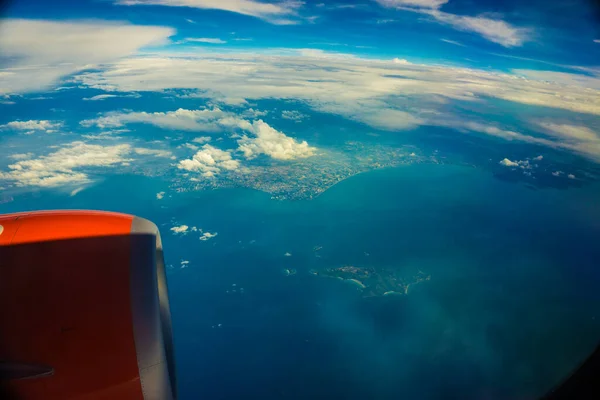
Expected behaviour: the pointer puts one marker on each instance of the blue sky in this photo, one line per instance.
(113, 77)
(561, 32)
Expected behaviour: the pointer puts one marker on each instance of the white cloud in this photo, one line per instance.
(205, 40)
(32, 126)
(21, 156)
(538, 158)
(413, 3)
(64, 166)
(190, 146)
(160, 195)
(153, 152)
(210, 161)
(202, 139)
(400, 61)
(454, 42)
(40, 52)
(508, 163)
(596, 40)
(571, 176)
(181, 119)
(100, 97)
(264, 139)
(181, 229)
(273, 143)
(557, 173)
(379, 93)
(293, 115)
(494, 30)
(568, 131)
(207, 236)
(77, 190)
(275, 13)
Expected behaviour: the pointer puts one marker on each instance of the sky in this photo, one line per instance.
(77, 78)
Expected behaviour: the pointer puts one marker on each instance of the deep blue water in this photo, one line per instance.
(511, 308)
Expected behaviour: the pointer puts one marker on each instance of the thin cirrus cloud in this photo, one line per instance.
(41, 52)
(454, 42)
(278, 13)
(204, 40)
(492, 29)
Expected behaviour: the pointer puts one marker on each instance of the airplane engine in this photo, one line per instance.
(84, 308)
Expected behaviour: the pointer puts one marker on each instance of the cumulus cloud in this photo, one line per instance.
(275, 13)
(273, 143)
(187, 120)
(508, 163)
(538, 158)
(160, 195)
(39, 53)
(32, 126)
(207, 236)
(210, 161)
(202, 139)
(557, 173)
(571, 176)
(65, 165)
(262, 138)
(181, 229)
(400, 61)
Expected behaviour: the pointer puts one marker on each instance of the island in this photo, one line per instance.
(373, 281)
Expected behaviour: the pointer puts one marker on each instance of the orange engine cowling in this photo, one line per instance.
(84, 308)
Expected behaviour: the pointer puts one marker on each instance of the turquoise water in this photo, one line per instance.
(511, 307)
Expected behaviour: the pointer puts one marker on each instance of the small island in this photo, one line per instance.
(375, 282)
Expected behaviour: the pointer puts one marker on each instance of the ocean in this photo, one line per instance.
(511, 307)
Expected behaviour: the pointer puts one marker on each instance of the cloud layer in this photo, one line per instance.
(380, 93)
(43, 51)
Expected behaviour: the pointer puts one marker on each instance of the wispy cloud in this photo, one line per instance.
(100, 97)
(205, 40)
(492, 29)
(279, 13)
(41, 52)
(412, 3)
(454, 42)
